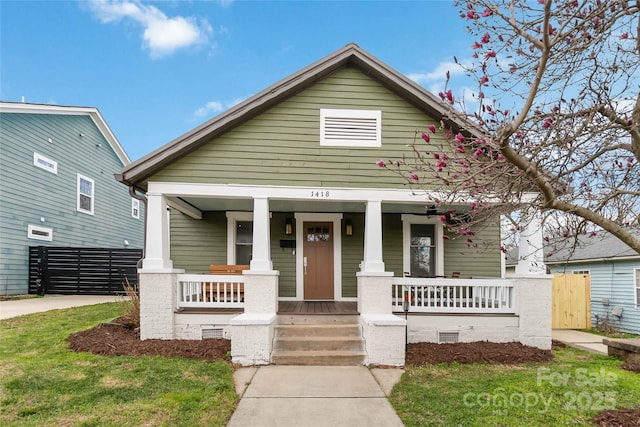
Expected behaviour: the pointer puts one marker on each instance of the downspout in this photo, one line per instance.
(143, 199)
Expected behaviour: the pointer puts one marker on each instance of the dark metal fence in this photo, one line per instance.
(86, 271)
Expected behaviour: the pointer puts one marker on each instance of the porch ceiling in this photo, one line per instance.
(324, 206)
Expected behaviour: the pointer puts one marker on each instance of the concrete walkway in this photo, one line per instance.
(310, 396)
(581, 340)
(50, 302)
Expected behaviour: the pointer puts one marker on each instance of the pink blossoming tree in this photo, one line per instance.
(557, 129)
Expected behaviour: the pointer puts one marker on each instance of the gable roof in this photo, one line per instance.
(137, 172)
(92, 112)
(602, 246)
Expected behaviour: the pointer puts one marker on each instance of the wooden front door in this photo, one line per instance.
(318, 260)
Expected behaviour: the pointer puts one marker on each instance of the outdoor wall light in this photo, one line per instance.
(348, 228)
(288, 227)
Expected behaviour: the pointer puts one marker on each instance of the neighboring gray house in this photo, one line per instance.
(614, 269)
(57, 186)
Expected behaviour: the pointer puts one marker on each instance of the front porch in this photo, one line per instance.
(282, 248)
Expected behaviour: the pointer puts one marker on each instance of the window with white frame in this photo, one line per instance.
(37, 232)
(86, 196)
(45, 163)
(239, 237)
(135, 208)
(584, 272)
(423, 252)
(637, 278)
(350, 128)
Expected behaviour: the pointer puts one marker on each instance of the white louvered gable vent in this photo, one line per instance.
(350, 128)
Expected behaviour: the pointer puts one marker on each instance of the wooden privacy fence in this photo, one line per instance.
(571, 301)
(86, 271)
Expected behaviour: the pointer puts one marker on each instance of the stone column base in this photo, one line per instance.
(252, 338)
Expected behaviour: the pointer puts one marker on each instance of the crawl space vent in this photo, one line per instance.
(448, 337)
(214, 333)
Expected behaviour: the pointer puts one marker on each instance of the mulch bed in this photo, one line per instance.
(119, 338)
(618, 418)
(420, 354)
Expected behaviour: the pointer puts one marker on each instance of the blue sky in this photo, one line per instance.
(158, 69)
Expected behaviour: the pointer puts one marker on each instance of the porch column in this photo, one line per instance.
(252, 332)
(261, 254)
(157, 245)
(530, 255)
(373, 262)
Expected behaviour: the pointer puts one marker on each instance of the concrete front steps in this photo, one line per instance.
(318, 340)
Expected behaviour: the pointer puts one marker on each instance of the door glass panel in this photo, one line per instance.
(422, 250)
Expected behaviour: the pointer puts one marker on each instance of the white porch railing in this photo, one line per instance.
(209, 291)
(453, 295)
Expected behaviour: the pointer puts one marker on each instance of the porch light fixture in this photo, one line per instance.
(288, 227)
(348, 228)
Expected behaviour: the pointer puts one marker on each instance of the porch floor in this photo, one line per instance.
(317, 307)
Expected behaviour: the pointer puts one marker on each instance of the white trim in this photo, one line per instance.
(636, 285)
(33, 229)
(80, 177)
(232, 218)
(336, 194)
(407, 220)
(135, 208)
(336, 218)
(43, 163)
(353, 138)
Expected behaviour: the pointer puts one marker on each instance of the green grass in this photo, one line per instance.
(44, 383)
(569, 391)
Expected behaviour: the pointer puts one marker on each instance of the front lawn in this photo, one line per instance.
(572, 390)
(44, 383)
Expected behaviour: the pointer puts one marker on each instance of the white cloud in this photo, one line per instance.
(162, 35)
(208, 108)
(214, 107)
(439, 73)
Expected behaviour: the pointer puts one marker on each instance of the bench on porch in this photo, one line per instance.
(211, 292)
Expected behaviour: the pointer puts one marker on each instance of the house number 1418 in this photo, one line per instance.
(320, 194)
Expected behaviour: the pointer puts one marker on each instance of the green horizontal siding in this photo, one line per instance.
(196, 244)
(482, 259)
(282, 145)
(352, 254)
(28, 193)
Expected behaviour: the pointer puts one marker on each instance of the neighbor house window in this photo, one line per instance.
(584, 272)
(239, 237)
(422, 246)
(85, 194)
(350, 128)
(37, 232)
(45, 163)
(637, 278)
(135, 208)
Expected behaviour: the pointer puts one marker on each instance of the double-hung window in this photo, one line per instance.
(239, 237)
(422, 246)
(135, 208)
(86, 197)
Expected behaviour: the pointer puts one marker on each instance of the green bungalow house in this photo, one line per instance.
(57, 191)
(285, 188)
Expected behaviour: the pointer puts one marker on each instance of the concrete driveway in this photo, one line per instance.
(21, 307)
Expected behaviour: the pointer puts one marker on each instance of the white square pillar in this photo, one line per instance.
(157, 254)
(261, 252)
(373, 262)
(530, 248)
